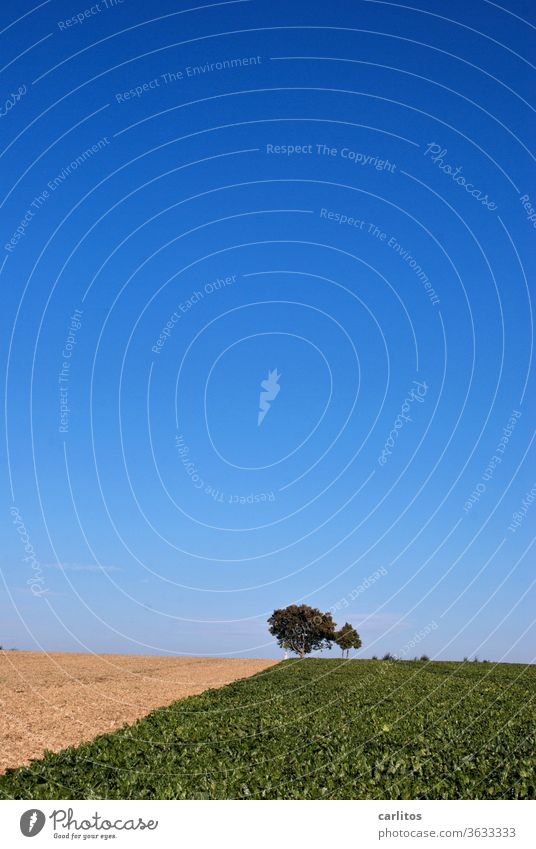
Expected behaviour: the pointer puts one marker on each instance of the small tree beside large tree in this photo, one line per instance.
(302, 629)
(347, 638)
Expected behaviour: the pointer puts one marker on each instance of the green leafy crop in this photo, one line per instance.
(316, 729)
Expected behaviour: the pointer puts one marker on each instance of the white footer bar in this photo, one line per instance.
(271, 824)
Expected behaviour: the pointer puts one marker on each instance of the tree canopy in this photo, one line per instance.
(347, 638)
(302, 629)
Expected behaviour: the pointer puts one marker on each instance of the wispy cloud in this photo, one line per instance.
(45, 591)
(379, 621)
(81, 567)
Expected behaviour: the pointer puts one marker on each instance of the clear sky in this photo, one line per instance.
(336, 200)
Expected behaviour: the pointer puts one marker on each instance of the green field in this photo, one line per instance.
(316, 729)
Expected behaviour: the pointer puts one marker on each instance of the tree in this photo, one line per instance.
(302, 629)
(347, 638)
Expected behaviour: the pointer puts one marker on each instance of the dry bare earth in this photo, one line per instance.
(50, 701)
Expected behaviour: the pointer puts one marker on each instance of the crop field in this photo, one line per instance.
(316, 729)
(51, 701)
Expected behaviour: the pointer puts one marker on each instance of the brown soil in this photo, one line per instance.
(50, 701)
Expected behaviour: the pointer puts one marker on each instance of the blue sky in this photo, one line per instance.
(194, 198)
